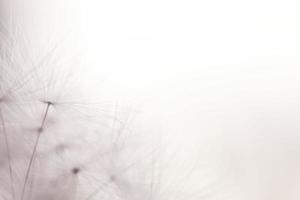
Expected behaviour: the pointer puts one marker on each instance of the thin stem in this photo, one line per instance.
(46, 113)
(40, 130)
(8, 154)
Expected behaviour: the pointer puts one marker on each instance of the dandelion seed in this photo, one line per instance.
(40, 130)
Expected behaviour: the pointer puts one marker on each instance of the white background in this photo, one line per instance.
(220, 79)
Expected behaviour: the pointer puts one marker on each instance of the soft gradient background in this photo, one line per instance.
(219, 80)
(221, 76)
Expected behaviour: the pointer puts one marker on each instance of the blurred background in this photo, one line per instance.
(218, 80)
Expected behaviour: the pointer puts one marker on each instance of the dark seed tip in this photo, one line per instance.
(75, 170)
(50, 103)
(40, 130)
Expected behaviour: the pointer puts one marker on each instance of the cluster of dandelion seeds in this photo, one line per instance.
(57, 140)
(66, 136)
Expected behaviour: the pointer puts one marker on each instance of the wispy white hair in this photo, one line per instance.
(63, 135)
(149, 100)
